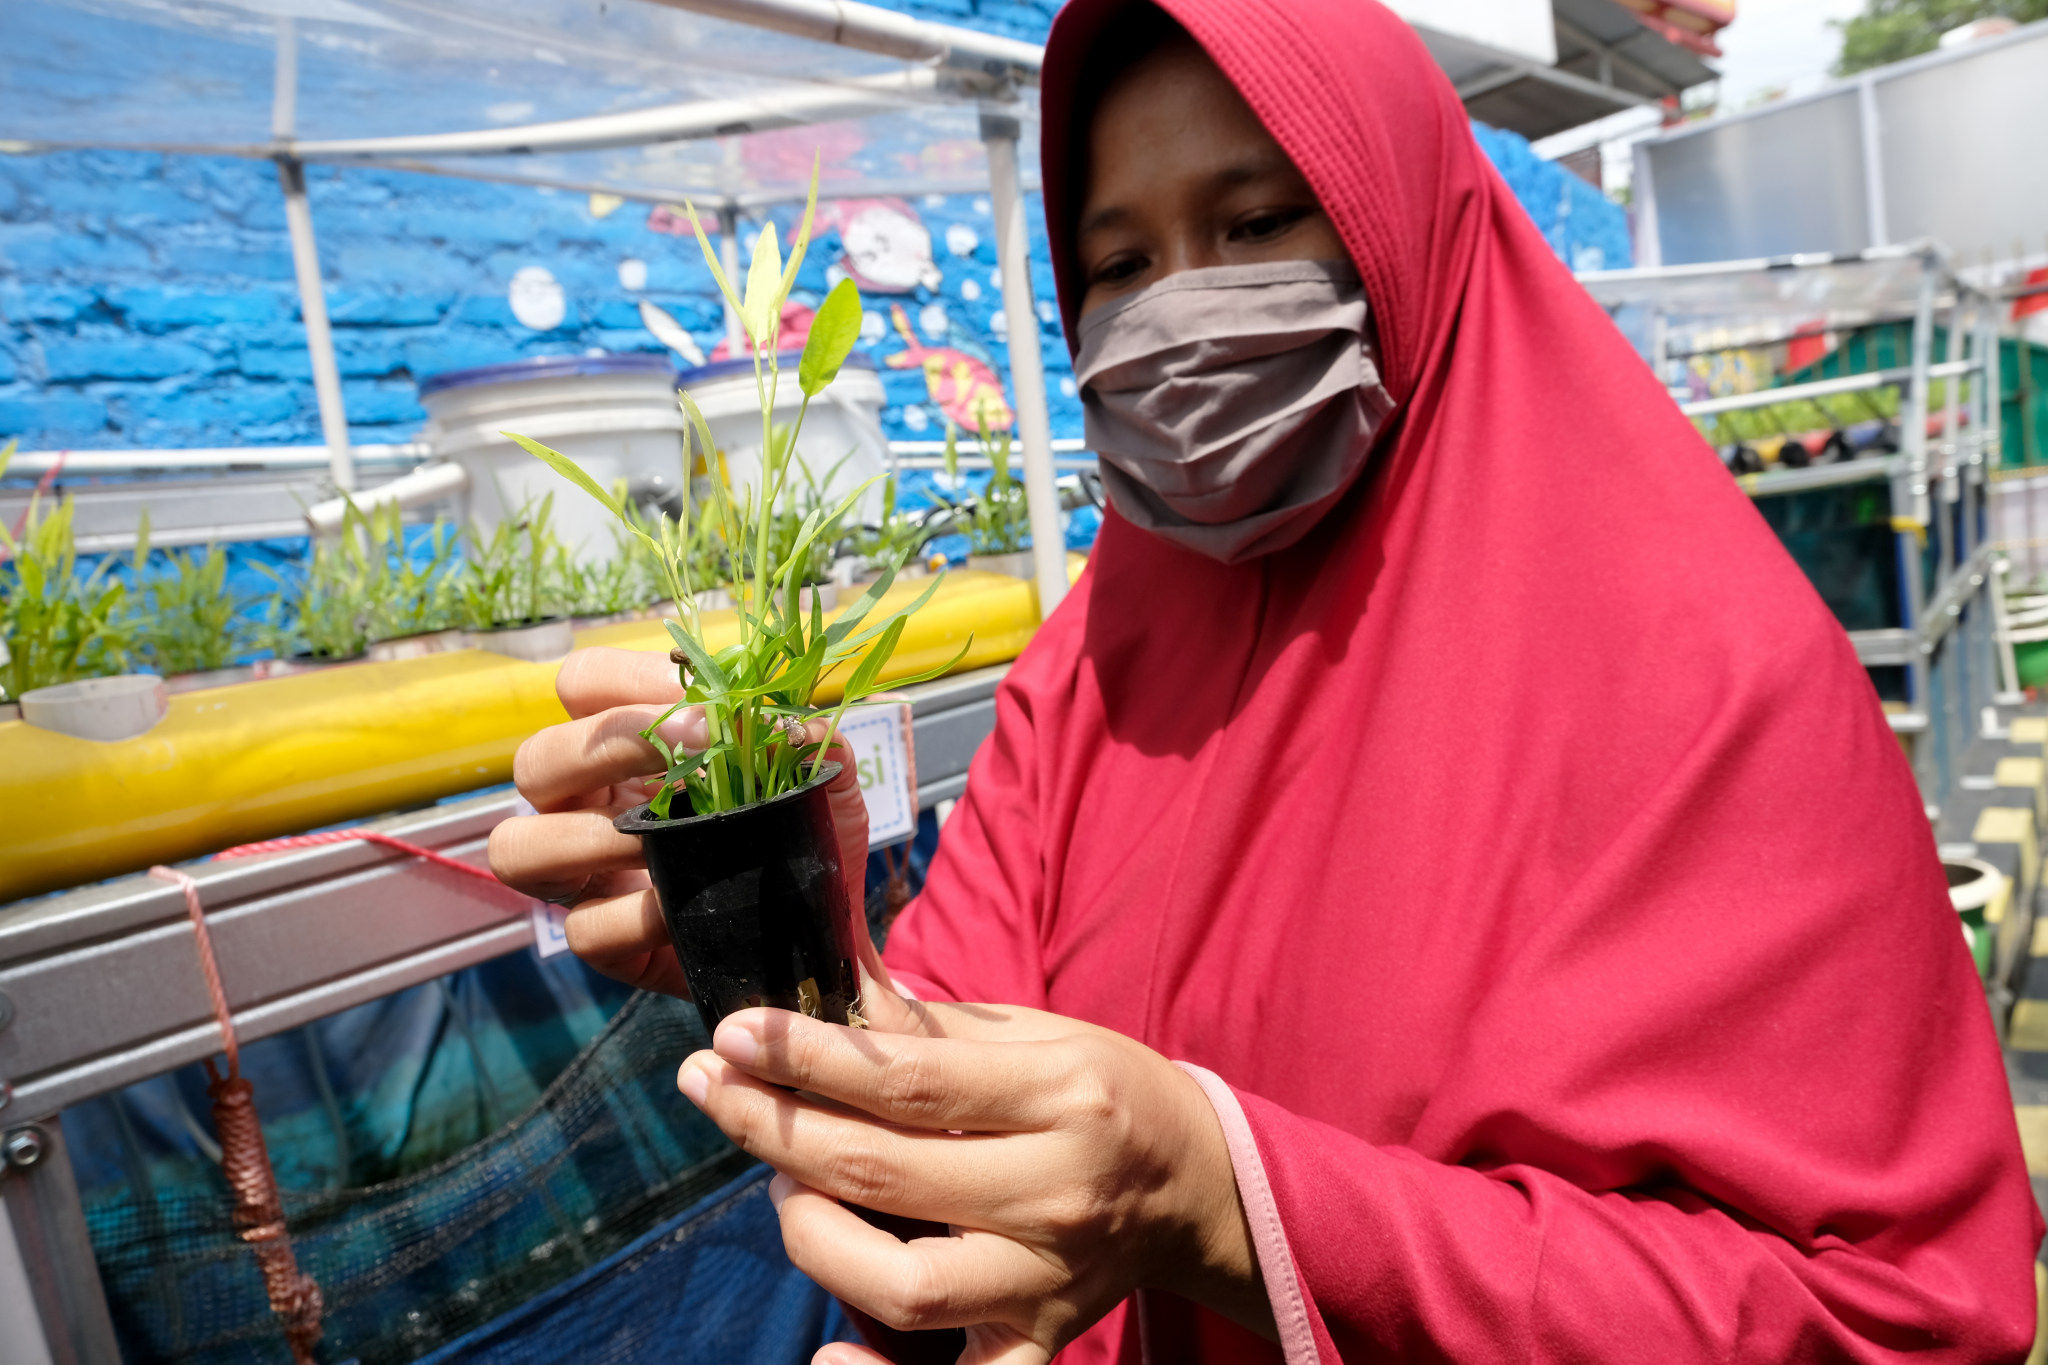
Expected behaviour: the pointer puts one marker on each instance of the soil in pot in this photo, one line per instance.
(755, 903)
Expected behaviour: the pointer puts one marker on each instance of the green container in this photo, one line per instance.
(1973, 887)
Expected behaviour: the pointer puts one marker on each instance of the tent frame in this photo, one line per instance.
(942, 63)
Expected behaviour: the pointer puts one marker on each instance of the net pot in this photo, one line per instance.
(539, 643)
(755, 902)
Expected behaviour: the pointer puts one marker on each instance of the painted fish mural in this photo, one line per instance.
(963, 386)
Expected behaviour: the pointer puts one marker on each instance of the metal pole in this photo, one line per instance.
(1876, 221)
(1910, 525)
(298, 217)
(313, 308)
(1027, 367)
(1951, 553)
(53, 1307)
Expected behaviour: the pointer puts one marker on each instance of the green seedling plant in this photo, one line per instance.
(518, 574)
(186, 620)
(998, 519)
(324, 613)
(619, 584)
(758, 693)
(896, 537)
(54, 625)
(416, 592)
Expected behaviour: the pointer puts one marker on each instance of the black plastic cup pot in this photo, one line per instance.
(755, 902)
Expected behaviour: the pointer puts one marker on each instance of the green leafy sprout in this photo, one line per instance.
(55, 625)
(758, 693)
(998, 519)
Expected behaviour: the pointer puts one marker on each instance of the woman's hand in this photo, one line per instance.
(579, 774)
(1072, 1164)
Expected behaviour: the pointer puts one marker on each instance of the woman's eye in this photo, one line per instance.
(1260, 226)
(1117, 270)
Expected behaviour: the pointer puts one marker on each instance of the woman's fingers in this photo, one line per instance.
(597, 679)
(558, 767)
(556, 856)
(916, 1174)
(624, 937)
(920, 1285)
(942, 1083)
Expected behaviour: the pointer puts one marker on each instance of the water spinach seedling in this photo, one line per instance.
(55, 625)
(998, 520)
(757, 694)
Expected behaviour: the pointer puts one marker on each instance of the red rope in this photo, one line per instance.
(245, 1157)
(368, 836)
(207, 964)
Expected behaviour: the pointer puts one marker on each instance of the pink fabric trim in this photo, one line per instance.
(1269, 1239)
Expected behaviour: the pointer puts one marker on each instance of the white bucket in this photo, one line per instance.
(845, 422)
(615, 415)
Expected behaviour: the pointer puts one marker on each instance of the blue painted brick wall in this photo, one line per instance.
(149, 301)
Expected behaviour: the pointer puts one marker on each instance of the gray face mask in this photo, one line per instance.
(1233, 406)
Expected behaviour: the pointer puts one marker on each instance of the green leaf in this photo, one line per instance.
(761, 313)
(833, 332)
(923, 675)
(701, 663)
(864, 673)
(802, 241)
(711, 258)
(566, 467)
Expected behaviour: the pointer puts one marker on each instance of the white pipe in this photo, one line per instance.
(779, 108)
(1027, 367)
(870, 28)
(225, 459)
(298, 219)
(428, 483)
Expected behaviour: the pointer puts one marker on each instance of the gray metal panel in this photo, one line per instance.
(1787, 181)
(1961, 139)
(105, 984)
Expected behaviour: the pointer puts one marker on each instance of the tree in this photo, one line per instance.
(1891, 30)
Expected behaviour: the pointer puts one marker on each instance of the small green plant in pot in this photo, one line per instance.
(896, 537)
(413, 613)
(55, 625)
(321, 615)
(738, 837)
(516, 585)
(997, 522)
(186, 620)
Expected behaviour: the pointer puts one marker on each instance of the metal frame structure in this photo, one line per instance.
(942, 63)
(93, 995)
(1865, 156)
(1940, 490)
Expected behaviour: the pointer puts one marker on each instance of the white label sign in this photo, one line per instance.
(550, 929)
(887, 765)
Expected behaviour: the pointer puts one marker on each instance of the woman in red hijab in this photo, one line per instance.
(1440, 762)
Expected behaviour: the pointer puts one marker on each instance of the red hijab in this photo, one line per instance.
(1526, 847)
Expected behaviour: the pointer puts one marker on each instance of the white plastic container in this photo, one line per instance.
(541, 643)
(103, 709)
(844, 423)
(615, 415)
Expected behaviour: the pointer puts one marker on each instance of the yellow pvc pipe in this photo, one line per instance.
(255, 760)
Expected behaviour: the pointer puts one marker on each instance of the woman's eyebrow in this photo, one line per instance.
(1107, 217)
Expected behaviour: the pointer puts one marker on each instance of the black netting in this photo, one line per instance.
(610, 1151)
